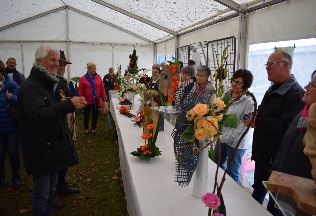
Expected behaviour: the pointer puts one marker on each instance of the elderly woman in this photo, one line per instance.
(9, 134)
(290, 158)
(187, 74)
(156, 76)
(241, 81)
(199, 92)
(91, 87)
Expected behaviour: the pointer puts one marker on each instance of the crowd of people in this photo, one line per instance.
(48, 149)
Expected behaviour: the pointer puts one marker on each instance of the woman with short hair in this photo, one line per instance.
(91, 87)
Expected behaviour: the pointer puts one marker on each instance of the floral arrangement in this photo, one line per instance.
(138, 119)
(125, 111)
(205, 121)
(221, 72)
(132, 67)
(174, 67)
(149, 150)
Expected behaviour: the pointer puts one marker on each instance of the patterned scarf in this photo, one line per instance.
(47, 73)
(302, 122)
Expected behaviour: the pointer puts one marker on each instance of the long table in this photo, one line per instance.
(150, 189)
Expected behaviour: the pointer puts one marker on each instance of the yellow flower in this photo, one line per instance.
(190, 115)
(219, 117)
(219, 103)
(201, 109)
(200, 133)
(200, 123)
(211, 125)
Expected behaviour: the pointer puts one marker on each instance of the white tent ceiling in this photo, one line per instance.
(149, 20)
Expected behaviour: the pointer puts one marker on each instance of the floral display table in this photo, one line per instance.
(150, 187)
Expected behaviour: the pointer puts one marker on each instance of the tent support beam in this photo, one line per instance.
(110, 24)
(67, 44)
(230, 4)
(141, 19)
(32, 18)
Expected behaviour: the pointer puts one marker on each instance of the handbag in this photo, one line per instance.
(104, 106)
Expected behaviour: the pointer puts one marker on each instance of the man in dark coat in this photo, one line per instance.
(12, 72)
(109, 80)
(62, 186)
(281, 102)
(46, 142)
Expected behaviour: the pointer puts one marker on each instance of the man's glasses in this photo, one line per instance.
(270, 64)
(236, 82)
(310, 84)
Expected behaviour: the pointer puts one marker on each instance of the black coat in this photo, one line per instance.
(274, 115)
(46, 141)
(291, 158)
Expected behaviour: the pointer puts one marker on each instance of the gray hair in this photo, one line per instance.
(43, 50)
(189, 70)
(204, 69)
(288, 58)
(163, 63)
(90, 64)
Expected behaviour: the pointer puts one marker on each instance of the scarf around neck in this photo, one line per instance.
(92, 84)
(47, 73)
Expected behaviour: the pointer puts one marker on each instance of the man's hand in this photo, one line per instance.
(78, 102)
(8, 95)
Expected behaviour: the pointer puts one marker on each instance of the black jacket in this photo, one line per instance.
(291, 158)
(18, 77)
(46, 142)
(277, 109)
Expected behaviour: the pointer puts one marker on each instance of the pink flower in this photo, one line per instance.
(211, 200)
(138, 112)
(136, 118)
(218, 214)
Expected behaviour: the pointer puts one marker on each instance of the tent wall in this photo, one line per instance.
(90, 40)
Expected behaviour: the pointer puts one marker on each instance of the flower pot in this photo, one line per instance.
(201, 175)
(131, 95)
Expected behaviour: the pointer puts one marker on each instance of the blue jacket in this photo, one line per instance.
(6, 122)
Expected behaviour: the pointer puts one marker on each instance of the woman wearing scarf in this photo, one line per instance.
(290, 158)
(91, 87)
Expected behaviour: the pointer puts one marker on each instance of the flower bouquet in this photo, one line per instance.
(149, 150)
(125, 111)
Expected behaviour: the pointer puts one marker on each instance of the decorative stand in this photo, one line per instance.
(200, 177)
(130, 96)
(297, 193)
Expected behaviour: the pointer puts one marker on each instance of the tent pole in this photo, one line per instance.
(67, 44)
(242, 41)
(176, 41)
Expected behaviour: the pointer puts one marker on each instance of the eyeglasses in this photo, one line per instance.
(310, 84)
(236, 82)
(270, 64)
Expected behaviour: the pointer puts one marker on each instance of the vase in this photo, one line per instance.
(201, 173)
(130, 96)
(310, 140)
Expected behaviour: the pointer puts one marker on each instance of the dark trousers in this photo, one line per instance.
(259, 191)
(9, 143)
(62, 184)
(94, 109)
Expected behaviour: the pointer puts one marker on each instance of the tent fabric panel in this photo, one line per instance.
(117, 19)
(12, 50)
(166, 47)
(283, 22)
(81, 54)
(51, 27)
(14, 11)
(85, 29)
(173, 15)
(214, 32)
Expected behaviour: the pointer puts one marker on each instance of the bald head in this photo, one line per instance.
(278, 67)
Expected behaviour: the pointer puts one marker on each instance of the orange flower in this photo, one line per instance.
(173, 68)
(146, 136)
(173, 85)
(174, 78)
(170, 98)
(146, 152)
(151, 126)
(144, 147)
(123, 109)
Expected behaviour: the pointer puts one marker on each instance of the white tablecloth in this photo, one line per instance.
(149, 186)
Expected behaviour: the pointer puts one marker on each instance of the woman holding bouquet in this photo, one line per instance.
(241, 81)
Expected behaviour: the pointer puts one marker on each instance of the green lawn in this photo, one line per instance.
(98, 177)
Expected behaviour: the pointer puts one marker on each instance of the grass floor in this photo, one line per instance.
(97, 175)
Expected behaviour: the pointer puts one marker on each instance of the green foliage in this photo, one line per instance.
(230, 121)
(188, 134)
(76, 80)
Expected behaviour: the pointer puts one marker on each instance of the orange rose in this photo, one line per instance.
(219, 103)
(200, 133)
(190, 115)
(201, 109)
(211, 125)
(200, 123)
